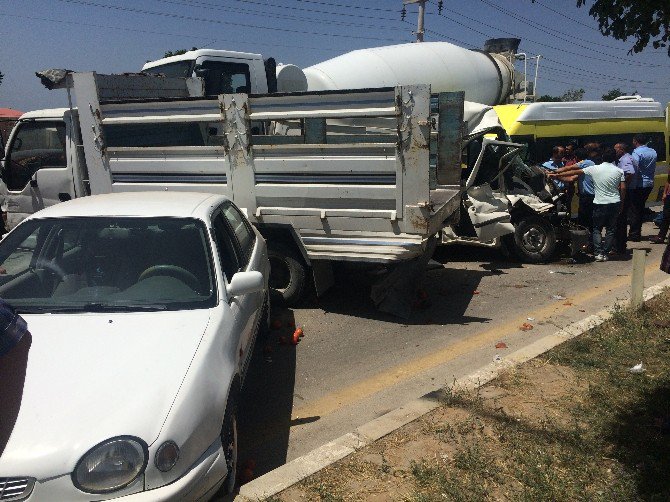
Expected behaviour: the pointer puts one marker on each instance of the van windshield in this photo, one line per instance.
(181, 69)
(107, 264)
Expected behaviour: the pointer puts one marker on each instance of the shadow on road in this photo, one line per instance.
(267, 399)
(444, 293)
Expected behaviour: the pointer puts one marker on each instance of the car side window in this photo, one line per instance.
(37, 145)
(224, 242)
(242, 229)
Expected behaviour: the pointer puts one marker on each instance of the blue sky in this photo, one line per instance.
(120, 35)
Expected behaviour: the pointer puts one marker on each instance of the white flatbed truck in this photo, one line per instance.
(319, 193)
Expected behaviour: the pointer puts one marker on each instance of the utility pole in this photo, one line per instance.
(422, 13)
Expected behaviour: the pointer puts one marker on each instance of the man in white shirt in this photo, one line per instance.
(609, 185)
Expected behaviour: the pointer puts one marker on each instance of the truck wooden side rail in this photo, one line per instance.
(320, 193)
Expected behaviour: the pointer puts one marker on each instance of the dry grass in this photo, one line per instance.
(574, 424)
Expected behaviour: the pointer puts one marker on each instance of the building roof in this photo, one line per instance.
(9, 113)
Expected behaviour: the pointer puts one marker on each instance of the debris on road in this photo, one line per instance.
(297, 335)
(501, 345)
(530, 318)
(558, 297)
(526, 327)
(497, 358)
(563, 272)
(638, 368)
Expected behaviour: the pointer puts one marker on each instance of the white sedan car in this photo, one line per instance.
(143, 309)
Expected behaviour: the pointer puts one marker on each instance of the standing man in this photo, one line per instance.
(555, 163)
(609, 185)
(586, 192)
(644, 159)
(626, 164)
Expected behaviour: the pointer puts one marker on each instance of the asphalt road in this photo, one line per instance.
(355, 364)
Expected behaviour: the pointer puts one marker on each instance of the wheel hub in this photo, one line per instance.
(534, 239)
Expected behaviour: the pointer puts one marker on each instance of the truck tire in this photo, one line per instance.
(288, 274)
(534, 239)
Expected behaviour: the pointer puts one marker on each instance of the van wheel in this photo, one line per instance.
(288, 274)
(534, 239)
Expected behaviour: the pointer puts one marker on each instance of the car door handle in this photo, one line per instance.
(64, 196)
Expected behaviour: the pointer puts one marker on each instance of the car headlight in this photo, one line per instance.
(111, 465)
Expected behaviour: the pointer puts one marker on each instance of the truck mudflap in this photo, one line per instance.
(394, 292)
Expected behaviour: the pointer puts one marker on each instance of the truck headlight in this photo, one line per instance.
(111, 465)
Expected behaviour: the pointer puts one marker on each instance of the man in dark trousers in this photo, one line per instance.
(644, 159)
(609, 186)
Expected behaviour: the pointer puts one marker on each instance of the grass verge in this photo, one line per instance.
(574, 424)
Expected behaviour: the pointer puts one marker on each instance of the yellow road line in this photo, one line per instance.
(387, 378)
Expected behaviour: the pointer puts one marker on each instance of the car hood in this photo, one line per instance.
(89, 377)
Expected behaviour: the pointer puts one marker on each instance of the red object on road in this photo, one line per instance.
(297, 334)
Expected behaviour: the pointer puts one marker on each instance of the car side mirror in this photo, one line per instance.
(245, 282)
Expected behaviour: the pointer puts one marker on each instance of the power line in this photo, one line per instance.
(218, 21)
(305, 9)
(184, 35)
(534, 24)
(615, 59)
(210, 6)
(566, 16)
(345, 6)
(612, 81)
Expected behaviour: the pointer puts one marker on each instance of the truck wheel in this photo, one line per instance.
(288, 274)
(534, 239)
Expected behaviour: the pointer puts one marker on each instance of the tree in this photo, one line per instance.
(179, 52)
(615, 93)
(573, 95)
(612, 94)
(644, 20)
(546, 98)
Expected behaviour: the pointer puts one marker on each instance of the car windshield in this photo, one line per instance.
(100, 264)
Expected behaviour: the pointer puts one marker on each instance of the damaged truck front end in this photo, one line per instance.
(509, 204)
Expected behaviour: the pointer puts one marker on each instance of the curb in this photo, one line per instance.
(298, 469)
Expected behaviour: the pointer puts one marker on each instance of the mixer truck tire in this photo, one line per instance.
(534, 239)
(288, 274)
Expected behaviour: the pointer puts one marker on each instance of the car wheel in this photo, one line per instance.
(288, 274)
(534, 239)
(229, 442)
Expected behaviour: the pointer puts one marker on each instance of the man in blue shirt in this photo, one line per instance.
(555, 163)
(644, 160)
(627, 165)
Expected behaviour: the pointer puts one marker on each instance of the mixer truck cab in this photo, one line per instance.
(226, 72)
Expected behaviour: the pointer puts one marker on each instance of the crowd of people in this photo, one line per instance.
(613, 185)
